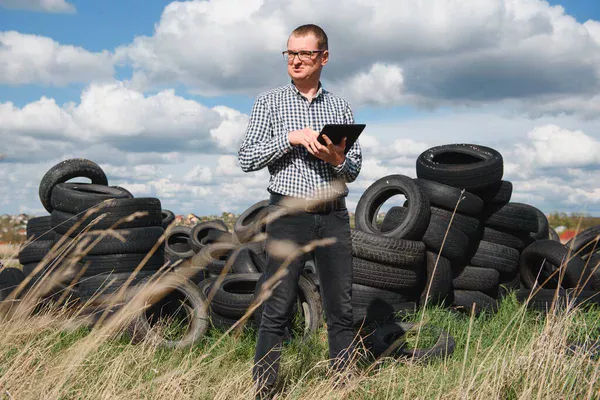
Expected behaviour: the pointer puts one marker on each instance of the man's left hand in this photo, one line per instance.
(332, 153)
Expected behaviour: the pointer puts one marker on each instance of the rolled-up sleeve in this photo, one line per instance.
(350, 168)
(259, 147)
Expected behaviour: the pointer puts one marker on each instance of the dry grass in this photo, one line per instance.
(8, 255)
(54, 353)
(512, 354)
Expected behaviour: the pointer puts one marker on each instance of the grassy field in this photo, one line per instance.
(8, 255)
(513, 354)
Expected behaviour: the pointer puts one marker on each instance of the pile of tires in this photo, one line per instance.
(553, 274)
(96, 235)
(229, 267)
(456, 241)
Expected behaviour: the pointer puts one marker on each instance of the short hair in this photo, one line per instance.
(317, 31)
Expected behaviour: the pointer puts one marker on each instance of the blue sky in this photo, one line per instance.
(462, 77)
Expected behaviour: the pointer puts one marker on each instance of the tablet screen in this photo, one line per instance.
(336, 132)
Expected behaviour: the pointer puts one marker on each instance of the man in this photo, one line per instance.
(282, 135)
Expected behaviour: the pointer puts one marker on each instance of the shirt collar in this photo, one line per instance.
(320, 89)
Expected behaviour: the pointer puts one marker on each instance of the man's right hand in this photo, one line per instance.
(307, 138)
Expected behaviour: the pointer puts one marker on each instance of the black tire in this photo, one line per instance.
(366, 296)
(557, 254)
(542, 299)
(447, 197)
(501, 258)
(40, 228)
(35, 252)
(102, 286)
(455, 247)
(514, 239)
(258, 254)
(217, 236)
(168, 217)
(464, 166)
(53, 276)
(308, 303)
(438, 283)
(499, 193)
(464, 300)
(120, 263)
(177, 243)
(417, 219)
(508, 286)
(552, 234)
(65, 170)
(76, 198)
(484, 280)
(511, 216)
(251, 222)
(235, 295)
(387, 250)
(112, 211)
(382, 276)
(379, 314)
(543, 231)
(223, 323)
(201, 230)
(244, 260)
(181, 290)
(10, 279)
(386, 335)
(214, 257)
(585, 242)
(137, 241)
(470, 226)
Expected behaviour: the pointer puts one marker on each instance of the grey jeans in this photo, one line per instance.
(334, 266)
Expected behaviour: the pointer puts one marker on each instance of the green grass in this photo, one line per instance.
(508, 355)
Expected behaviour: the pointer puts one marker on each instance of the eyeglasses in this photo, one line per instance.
(303, 55)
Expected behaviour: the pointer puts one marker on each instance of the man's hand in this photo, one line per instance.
(332, 153)
(305, 137)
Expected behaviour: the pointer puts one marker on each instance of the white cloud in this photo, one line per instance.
(593, 27)
(429, 53)
(211, 184)
(381, 85)
(199, 174)
(553, 146)
(116, 116)
(26, 59)
(229, 166)
(230, 133)
(52, 6)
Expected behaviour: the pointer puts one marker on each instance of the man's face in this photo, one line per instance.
(305, 69)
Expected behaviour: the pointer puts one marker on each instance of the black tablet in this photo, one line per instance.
(336, 132)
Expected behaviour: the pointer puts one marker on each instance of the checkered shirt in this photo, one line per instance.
(293, 173)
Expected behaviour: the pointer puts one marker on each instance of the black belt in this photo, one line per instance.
(311, 206)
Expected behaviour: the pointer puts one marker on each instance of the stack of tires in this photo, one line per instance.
(557, 274)
(40, 240)
(89, 256)
(397, 266)
(228, 267)
(484, 242)
(10, 279)
(470, 173)
(391, 263)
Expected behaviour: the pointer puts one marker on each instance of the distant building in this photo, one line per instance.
(567, 235)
